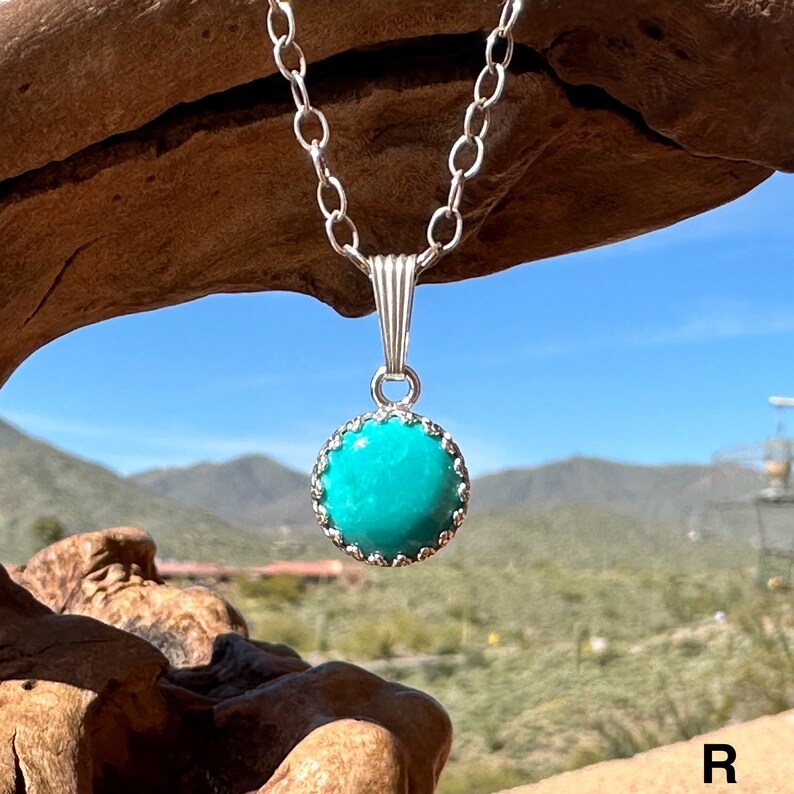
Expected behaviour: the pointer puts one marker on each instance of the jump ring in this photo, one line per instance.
(414, 389)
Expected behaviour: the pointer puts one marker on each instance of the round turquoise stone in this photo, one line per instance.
(390, 488)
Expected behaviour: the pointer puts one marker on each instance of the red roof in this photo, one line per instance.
(168, 569)
(320, 569)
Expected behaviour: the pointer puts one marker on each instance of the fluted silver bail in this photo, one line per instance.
(393, 282)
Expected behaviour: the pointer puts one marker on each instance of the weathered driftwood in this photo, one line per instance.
(146, 151)
(88, 708)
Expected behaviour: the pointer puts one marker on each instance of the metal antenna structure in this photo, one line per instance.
(754, 480)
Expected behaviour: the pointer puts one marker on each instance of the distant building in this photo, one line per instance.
(310, 571)
(319, 570)
(196, 571)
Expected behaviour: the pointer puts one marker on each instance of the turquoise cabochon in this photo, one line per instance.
(391, 487)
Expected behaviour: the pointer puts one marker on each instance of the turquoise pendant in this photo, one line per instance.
(390, 487)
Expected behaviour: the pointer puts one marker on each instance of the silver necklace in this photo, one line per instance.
(390, 487)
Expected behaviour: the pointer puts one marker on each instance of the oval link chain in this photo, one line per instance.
(465, 158)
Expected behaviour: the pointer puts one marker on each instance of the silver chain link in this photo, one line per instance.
(465, 158)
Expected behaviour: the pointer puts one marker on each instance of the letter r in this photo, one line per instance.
(709, 764)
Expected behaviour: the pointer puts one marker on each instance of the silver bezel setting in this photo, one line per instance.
(408, 417)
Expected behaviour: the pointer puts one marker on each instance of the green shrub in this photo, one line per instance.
(475, 658)
(493, 734)
(283, 588)
(465, 613)
(481, 777)
(284, 628)
(411, 632)
(672, 720)
(45, 531)
(691, 646)
(434, 671)
(764, 683)
(447, 639)
(571, 594)
(688, 599)
(523, 703)
(369, 641)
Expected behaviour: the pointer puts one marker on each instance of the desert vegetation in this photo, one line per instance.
(554, 662)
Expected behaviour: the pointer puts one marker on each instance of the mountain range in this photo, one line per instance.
(37, 479)
(252, 491)
(674, 495)
(258, 492)
(254, 505)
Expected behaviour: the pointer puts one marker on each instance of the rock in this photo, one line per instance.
(174, 174)
(111, 575)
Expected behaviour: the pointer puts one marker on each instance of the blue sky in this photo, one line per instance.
(658, 349)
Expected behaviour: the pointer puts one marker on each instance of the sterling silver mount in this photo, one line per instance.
(393, 282)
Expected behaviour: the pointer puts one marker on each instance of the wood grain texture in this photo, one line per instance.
(147, 157)
(87, 707)
(110, 575)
